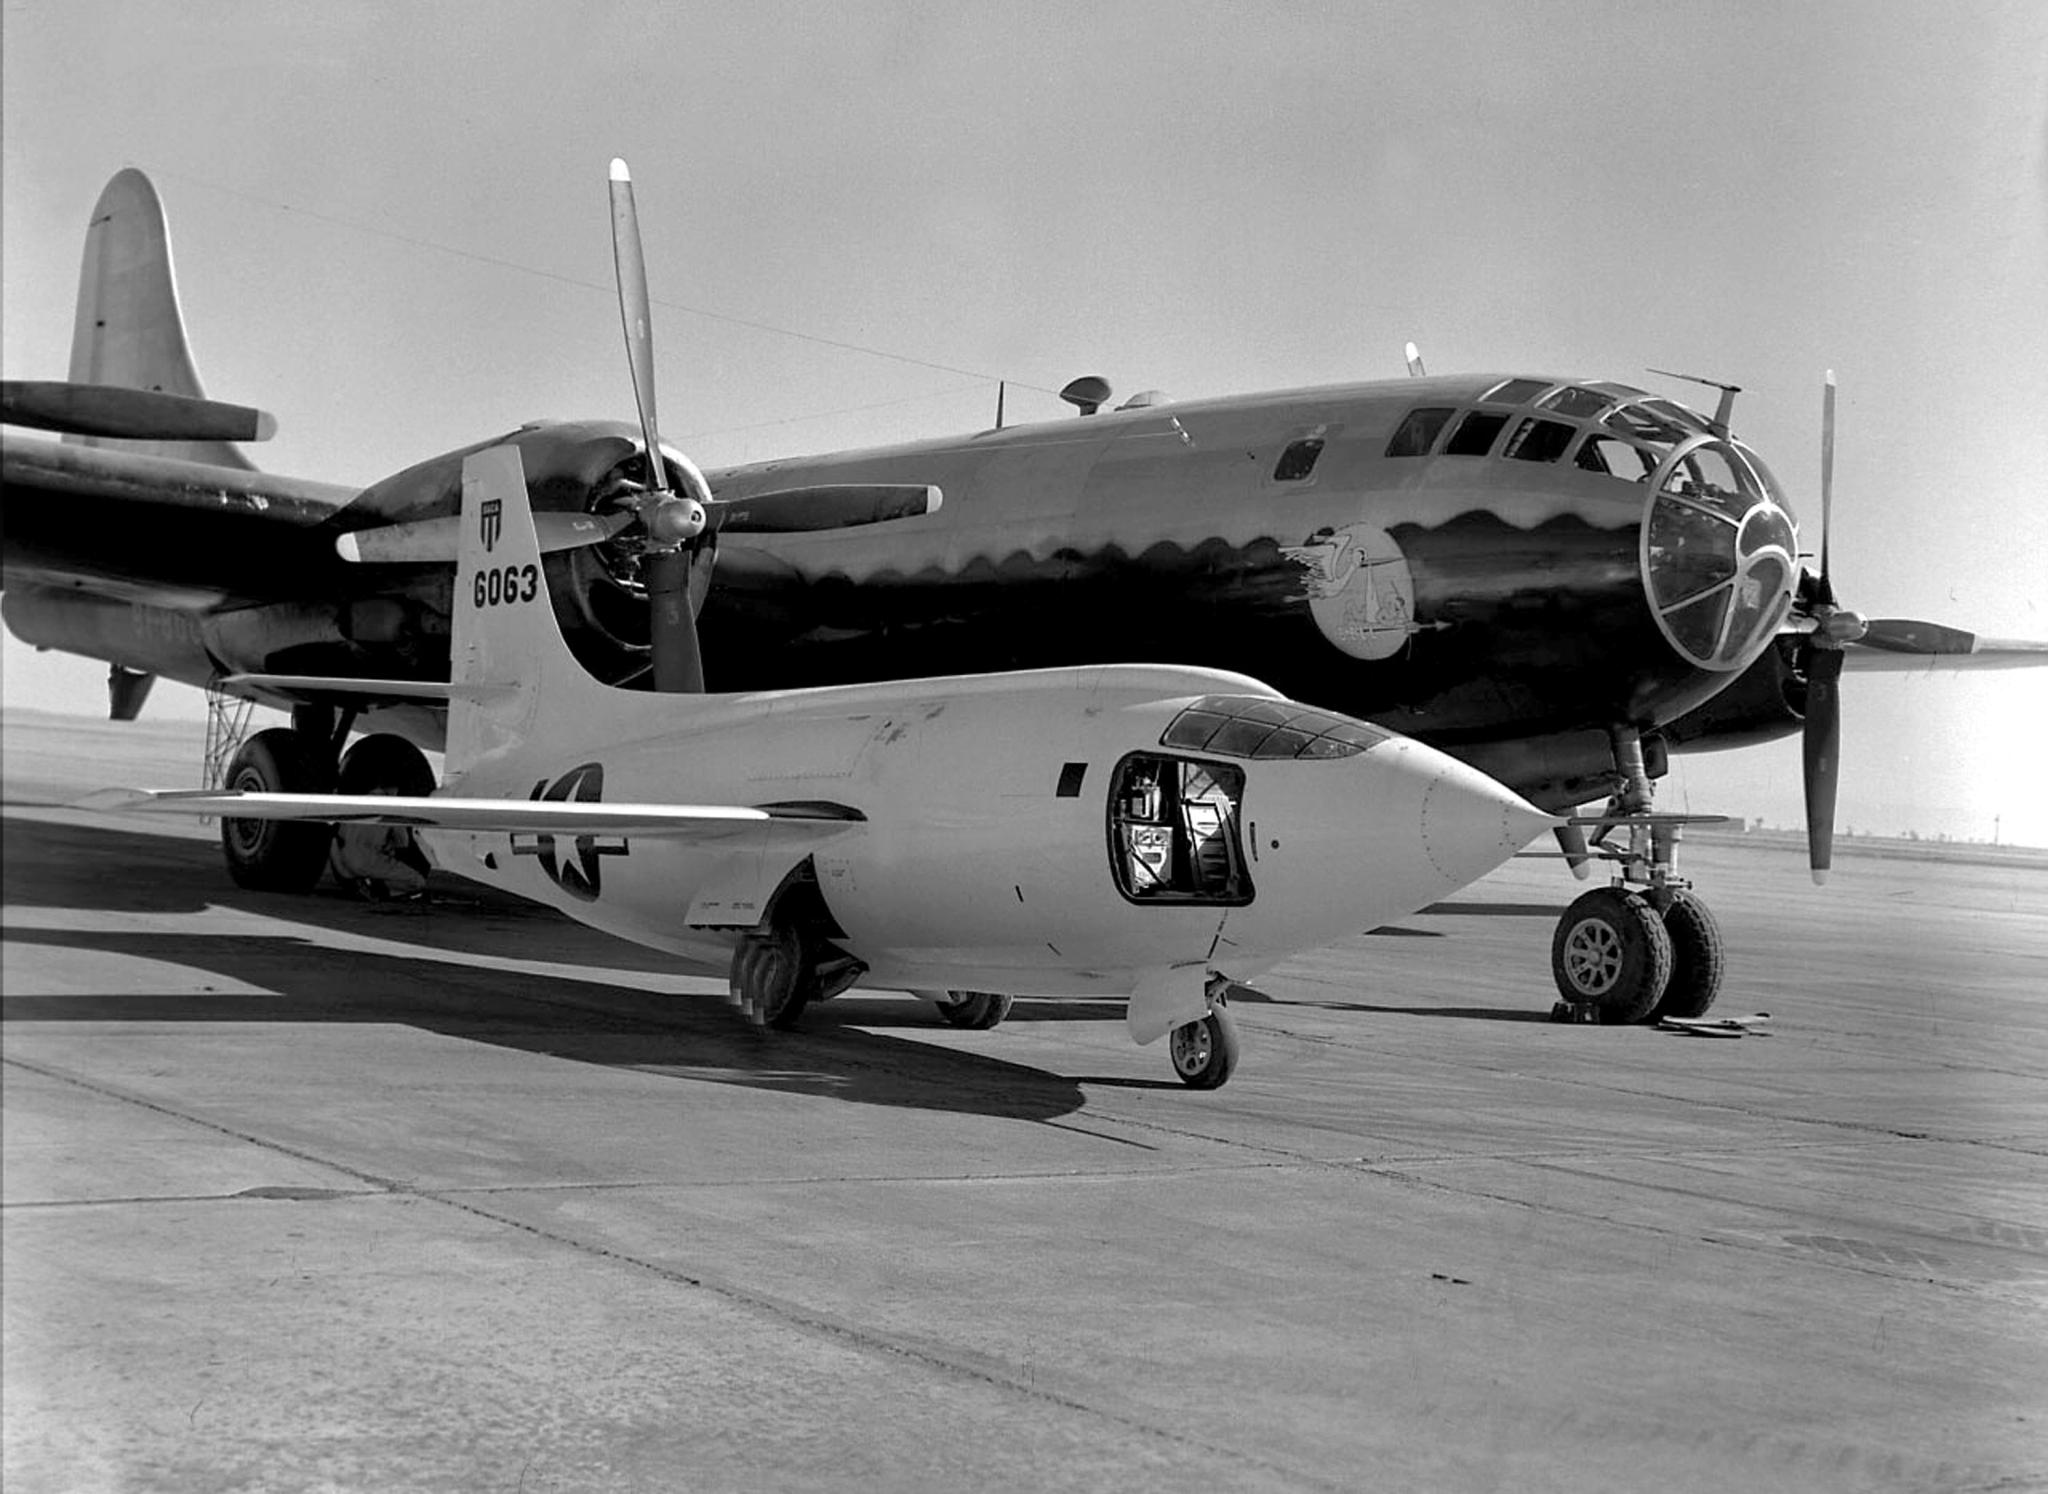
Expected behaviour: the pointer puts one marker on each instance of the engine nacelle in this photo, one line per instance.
(1767, 702)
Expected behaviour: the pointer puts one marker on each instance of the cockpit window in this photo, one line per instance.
(1474, 435)
(1576, 400)
(1645, 423)
(1418, 432)
(1173, 831)
(1612, 457)
(1514, 391)
(1540, 440)
(1255, 727)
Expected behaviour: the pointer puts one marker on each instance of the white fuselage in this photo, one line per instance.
(987, 852)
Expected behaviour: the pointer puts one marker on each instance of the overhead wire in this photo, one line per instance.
(499, 262)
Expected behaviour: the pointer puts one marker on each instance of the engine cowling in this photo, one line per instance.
(1766, 702)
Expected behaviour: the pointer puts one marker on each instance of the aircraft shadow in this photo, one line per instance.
(561, 1016)
(1467, 1013)
(103, 869)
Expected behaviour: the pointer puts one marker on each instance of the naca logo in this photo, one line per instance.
(581, 877)
(490, 522)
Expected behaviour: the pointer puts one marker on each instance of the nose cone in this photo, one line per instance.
(1471, 823)
(1348, 844)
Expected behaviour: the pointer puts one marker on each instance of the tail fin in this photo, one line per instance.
(130, 331)
(504, 633)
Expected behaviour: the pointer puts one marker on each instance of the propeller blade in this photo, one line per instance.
(672, 624)
(1414, 356)
(827, 506)
(1827, 482)
(1904, 635)
(1898, 644)
(129, 414)
(1820, 754)
(436, 541)
(634, 313)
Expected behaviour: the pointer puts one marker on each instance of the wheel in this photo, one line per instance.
(277, 855)
(381, 861)
(1698, 959)
(977, 1011)
(771, 980)
(1611, 950)
(1204, 1053)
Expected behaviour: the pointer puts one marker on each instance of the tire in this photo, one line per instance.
(1611, 950)
(381, 764)
(277, 855)
(976, 1011)
(771, 979)
(1699, 960)
(1204, 1053)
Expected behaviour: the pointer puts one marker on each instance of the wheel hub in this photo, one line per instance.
(1593, 957)
(1191, 1047)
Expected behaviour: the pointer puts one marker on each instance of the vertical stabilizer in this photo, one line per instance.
(130, 331)
(504, 633)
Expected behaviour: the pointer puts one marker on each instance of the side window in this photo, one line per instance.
(1298, 460)
(1173, 831)
(1418, 432)
(1474, 435)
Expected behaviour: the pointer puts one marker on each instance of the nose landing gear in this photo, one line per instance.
(1205, 1052)
(1646, 947)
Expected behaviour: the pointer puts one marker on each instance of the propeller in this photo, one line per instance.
(672, 532)
(671, 521)
(1833, 628)
(1835, 636)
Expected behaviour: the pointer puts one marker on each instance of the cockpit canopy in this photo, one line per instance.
(1719, 554)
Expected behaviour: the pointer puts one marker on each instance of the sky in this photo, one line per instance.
(390, 230)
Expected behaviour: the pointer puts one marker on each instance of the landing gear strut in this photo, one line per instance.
(1647, 946)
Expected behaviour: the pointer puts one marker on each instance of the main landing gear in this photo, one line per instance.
(306, 758)
(790, 961)
(1646, 947)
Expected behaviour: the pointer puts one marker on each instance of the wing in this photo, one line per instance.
(151, 528)
(804, 824)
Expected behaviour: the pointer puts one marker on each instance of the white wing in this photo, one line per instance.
(707, 823)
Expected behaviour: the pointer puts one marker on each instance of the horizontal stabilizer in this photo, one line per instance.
(315, 689)
(706, 823)
(129, 414)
